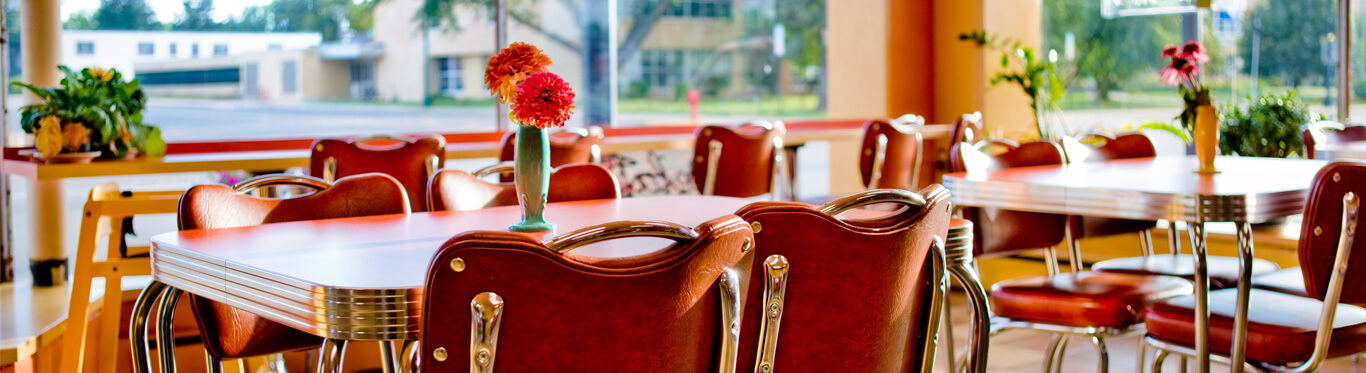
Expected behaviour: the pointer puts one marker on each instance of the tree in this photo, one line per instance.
(125, 15)
(253, 19)
(1289, 33)
(804, 21)
(198, 16)
(84, 20)
(1109, 51)
(323, 16)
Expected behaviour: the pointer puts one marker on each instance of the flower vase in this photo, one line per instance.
(532, 178)
(1206, 136)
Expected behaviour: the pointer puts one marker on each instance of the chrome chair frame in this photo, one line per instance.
(1351, 205)
(780, 178)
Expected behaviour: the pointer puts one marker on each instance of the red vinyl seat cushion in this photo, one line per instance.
(1114, 300)
(1223, 270)
(1280, 329)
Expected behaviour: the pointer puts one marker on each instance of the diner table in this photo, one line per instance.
(1247, 190)
(361, 278)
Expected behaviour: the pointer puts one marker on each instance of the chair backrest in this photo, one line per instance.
(999, 232)
(736, 162)
(228, 332)
(847, 295)
(461, 191)
(1325, 132)
(409, 162)
(220, 206)
(966, 129)
(1322, 231)
(1130, 145)
(567, 146)
(507, 299)
(890, 155)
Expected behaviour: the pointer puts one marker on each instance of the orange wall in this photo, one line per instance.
(856, 56)
(910, 63)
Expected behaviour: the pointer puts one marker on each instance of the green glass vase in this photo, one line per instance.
(532, 177)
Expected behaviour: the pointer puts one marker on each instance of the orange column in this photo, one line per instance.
(42, 33)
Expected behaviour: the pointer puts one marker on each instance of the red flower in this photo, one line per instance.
(512, 65)
(1194, 51)
(1170, 51)
(1169, 76)
(543, 100)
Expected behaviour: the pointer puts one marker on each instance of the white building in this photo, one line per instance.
(123, 49)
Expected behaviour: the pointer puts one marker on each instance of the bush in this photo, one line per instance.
(638, 89)
(1268, 127)
(1359, 89)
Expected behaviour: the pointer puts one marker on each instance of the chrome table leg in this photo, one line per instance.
(137, 326)
(330, 356)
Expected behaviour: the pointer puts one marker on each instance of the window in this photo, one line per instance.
(289, 80)
(451, 73)
(194, 50)
(171, 49)
(273, 46)
(85, 48)
(146, 49)
(220, 50)
(191, 76)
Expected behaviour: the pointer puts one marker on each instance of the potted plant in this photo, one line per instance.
(1038, 79)
(93, 113)
(1269, 126)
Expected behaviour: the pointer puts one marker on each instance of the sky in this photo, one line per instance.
(167, 10)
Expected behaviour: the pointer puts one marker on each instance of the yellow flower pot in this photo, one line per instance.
(1206, 138)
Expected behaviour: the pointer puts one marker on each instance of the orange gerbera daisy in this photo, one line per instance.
(543, 100)
(512, 65)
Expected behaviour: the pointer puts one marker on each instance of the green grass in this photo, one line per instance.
(1164, 97)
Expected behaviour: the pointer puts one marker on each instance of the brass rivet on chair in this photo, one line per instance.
(875, 126)
(766, 367)
(756, 227)
(439, 354)
(867, 151)
(1337, 177)
(318, 148)
(458, 264)
(482, 358)
(774, 310)
(744, 246)
(698, 159)
(706, 132)
(1318, 231)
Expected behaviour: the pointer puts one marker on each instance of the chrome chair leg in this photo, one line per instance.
(275, 363)
(212, 364)
(1173, 237)
(1183, 364)
(1104, 357)
(165, 335)
(330, 356)
(1142, 354)
(1145, 240)
(946, 324)
(410, 351)
(389, 356)
(1159, 359)
(137, 326)
(1056, 347)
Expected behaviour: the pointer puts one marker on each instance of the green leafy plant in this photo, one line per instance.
(1269, 126)
(1165, 127)
(100, 101)
(1037, 76)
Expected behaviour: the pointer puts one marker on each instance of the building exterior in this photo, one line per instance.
(123, 50)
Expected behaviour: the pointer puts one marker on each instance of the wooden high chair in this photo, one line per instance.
(105, 213)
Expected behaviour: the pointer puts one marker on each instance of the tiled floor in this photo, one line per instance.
(1023, 350)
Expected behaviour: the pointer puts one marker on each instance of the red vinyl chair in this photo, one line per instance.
(745, 161)
(849, 295)
(1326, 132)
(1093, 304)
(1289, 333)
(461, 191)
(889, 157)
(567, 146)
(1223, 270)
(231, 333)
(510, 300)
(411, 162)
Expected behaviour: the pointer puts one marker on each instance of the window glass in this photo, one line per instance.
(220, 49)
(85, 47)
(194, 50)
(146, 48)
(171, 50)
(288, 77)
(1111, 57)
